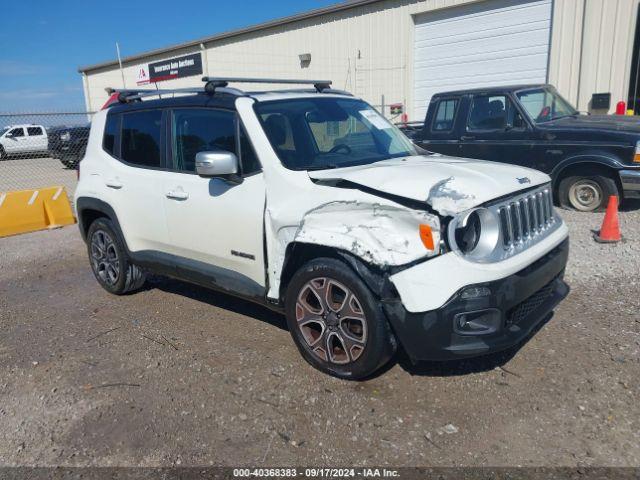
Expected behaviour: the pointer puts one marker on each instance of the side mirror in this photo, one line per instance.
(218, 164)
(8, 135)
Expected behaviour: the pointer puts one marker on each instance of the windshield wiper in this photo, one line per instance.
(328, 166)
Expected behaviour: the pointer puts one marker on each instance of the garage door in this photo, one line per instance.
(495, 42)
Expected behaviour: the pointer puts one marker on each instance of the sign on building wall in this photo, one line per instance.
(185, 66)
(143, 75)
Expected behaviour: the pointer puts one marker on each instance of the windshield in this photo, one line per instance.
(545, 104)
(321, 133)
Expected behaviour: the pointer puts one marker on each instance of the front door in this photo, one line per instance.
(215, 223)
(15, 141)
(497, 131)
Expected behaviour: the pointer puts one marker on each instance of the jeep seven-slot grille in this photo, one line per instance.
(526, 218)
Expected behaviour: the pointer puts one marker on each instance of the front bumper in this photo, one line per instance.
(630, 180)
(517, 304)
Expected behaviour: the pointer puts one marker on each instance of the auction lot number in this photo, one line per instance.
(314, 472)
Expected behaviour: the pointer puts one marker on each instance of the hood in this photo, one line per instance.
(614, 123)
(449, 185)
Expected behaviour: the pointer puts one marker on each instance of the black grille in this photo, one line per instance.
(525, 308)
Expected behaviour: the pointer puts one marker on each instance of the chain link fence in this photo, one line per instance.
(40, 150)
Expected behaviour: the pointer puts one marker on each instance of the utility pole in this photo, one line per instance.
(124, 85)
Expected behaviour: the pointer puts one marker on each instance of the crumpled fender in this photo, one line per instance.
(378, 234)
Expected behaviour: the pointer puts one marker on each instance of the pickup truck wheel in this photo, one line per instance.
(109, 262)
(587, 193)
(3, 154)
(336, 322)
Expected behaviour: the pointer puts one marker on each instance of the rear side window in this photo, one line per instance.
(140, 144)
(444, 115)
(34, 131)
(110, 133)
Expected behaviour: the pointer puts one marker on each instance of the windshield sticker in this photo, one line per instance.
(375, 119)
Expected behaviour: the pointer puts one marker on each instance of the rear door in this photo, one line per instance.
(132, 180)
(37, 139)
(496, 130)
(215, 226)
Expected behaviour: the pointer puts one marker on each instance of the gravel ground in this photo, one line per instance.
(176, 375)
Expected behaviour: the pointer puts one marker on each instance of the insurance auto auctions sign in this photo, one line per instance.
(185, 66)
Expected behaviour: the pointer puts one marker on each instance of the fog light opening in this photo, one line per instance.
(481, 322)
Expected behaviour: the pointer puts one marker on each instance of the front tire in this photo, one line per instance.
(336, 322)
(109, 261)
(587, 193)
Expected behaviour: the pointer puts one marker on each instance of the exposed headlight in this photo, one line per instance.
(636, 157)
(65, 137)
(475, 234)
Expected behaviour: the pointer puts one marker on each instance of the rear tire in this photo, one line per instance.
(109, 261)
(336, 322)
(586, 193)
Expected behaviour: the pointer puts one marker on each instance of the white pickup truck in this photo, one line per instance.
(311, 203)
(19, 140)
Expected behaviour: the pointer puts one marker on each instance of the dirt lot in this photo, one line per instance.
(179, 375)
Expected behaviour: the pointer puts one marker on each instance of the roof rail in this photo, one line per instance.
(213, 83)
(126, 95)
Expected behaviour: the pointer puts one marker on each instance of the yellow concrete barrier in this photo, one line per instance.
(30, 210)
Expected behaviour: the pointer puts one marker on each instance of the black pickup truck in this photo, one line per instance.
(589, 157)
(68, 144)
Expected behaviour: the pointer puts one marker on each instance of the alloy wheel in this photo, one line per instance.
(104, 257)
(331, 320)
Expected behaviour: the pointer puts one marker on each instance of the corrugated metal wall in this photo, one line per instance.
(591, 48)
(369, 51)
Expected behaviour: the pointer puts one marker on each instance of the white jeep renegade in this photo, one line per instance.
(312, 203)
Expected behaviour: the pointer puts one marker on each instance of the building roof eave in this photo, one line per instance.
(233, 33)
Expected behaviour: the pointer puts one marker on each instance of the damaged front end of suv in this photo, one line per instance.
(460, 257)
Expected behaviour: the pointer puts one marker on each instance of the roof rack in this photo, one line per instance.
(213, 83)
(218, 85)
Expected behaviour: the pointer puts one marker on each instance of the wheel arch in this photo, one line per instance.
(299, 253)
(593, 163)
(90, 209)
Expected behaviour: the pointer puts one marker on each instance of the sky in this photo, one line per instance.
(43, 42)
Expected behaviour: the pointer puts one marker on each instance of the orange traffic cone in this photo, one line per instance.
(610, 230)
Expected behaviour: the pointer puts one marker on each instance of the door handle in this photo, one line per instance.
(467, 137)
(113, 183)
(177, 195)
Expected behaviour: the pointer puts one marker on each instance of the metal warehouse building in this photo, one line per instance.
(404, 51)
